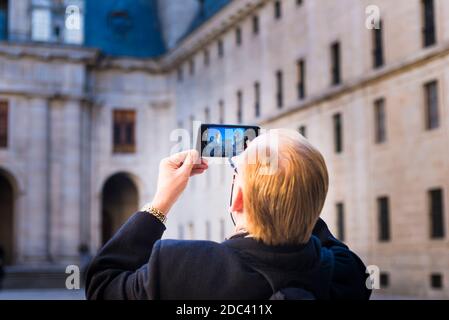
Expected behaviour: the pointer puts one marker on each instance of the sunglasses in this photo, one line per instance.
(234, 167)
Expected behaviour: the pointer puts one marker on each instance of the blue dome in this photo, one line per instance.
(124, 28)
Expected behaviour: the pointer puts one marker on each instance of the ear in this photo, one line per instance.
(237, 203)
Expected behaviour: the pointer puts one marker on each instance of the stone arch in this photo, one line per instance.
(9, 190)
(119, 200)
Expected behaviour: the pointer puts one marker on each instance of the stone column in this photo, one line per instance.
(66, 180)
(34, 217)
(86, 173)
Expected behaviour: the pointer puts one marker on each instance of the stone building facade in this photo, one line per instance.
(374, 101)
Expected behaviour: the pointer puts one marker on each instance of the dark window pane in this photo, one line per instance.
(206, 115)
(116, 134)
(384, 280)
(257, 99)
(220, 47)
(436, 281)
(206, 57)
(279, 90)
(180, 231)
(239, 106)
(380, 121)
(383, 211)
(335, 62)
(340, 221)
(378, 54)
(124, 131)
(301, 79)
(192, 66)
(129, 133)
(277, 9)
(238, 36)
(431, 108)
(303, 131)
(255, 24)
(429, 36)
(338, 133)
(3, 19)
(3, 124)
(436, 213)
(221, 112)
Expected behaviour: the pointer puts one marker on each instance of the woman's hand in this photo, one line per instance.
(174, 174)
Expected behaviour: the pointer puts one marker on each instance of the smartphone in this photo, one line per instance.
(225, 140)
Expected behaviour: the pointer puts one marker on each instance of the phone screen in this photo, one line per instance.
(221, 140)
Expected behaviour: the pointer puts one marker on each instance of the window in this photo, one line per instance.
(222, 229)
(378, 54)
(3, 19)
(3, 124)
(279, 89)
(383, 213)
(301, 69)
(180, 231)
(436, 281)
(429, 36)
(191, 66)
(431, 105)
(52, 23)
(340, 221)
(41, 24)
(338, 132)
(206, 57)
(277, 9)
(208, 232)
(255, 24)
(257, 99)
(191, 119)
(380, 130)
(191, 228)
(436, 208)
(303, 130)
(239, 106)
(220, 48)
(384, 280)
(206, 115)
(180, 74)
(221, 112)
(124, 131)
(335, 58)
(238, 36)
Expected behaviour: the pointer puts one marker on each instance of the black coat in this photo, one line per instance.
(136, 264)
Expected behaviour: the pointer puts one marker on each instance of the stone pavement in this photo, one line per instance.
(63, 294)
(42, 294)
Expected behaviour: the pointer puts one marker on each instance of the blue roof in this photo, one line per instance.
(124, 28)
(210, 8)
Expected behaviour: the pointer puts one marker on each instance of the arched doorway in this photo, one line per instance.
(6, 217)
(120, 200)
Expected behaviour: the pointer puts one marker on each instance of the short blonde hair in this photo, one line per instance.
(283, 207)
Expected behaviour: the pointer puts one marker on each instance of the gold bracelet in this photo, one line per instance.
(155, 212)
